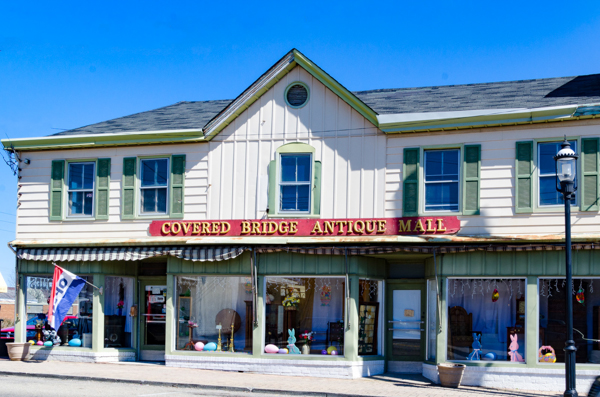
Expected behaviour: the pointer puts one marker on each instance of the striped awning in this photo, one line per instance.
(210, 254)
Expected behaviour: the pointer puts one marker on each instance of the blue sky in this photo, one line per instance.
(68, 64)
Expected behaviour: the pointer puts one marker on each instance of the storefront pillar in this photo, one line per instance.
(21, 315)
(258, 329)
(351, 332)
(170, 315)
(531, 322)
(441, 348)
(98, 314)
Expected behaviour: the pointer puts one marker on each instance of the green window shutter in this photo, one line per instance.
(590, 178)
(317, 189)
(102, 188)
(410, 187)
(177, 185)
(56, 189)
(471, 179)
(523, 176)
(128, 196)
(272, 186)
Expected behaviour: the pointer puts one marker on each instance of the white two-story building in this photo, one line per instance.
(305, 229)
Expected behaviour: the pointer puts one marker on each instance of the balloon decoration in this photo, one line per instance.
(580, 296)
(495, 295)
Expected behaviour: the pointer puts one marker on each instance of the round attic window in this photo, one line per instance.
(296, 94)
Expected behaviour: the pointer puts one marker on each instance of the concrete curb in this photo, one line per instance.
(186, 385)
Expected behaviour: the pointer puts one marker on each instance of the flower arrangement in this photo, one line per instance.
(192, 324)
(307, 336)
(291, 300)
(120, 305)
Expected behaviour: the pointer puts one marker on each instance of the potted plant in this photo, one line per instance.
(450, 374)
(18, 351)
(307, 337)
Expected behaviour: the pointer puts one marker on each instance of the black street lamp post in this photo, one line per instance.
(566, 174)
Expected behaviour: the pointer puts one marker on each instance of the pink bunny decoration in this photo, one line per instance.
(514, 346)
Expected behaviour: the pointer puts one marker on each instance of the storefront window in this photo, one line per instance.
(77, 324)
(553, 326)
(304, 315)
(369, 329)
(118, 299)
(214, 314)
(486, 319)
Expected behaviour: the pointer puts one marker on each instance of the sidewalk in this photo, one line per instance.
(380, 386)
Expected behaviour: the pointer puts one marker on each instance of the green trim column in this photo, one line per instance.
(98, 314)
(257, 331)
(531, 317)
(351, 335)
(170, 315)
(21, 317)
(441, 350)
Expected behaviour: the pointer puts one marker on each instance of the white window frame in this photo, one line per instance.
(69, 190)
(574, 203)
(280, 183)
(141, 188)
(458, 181)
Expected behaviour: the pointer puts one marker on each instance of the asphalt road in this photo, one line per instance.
(30, 386)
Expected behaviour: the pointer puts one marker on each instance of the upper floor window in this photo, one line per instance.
(154, 183)
(442, 180)
(81, 177)
(295, 183)
(548, 195)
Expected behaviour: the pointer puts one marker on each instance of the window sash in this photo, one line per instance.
(453, 181)
(160, 203)
(558, 200)
(296, 183)
(82, 191)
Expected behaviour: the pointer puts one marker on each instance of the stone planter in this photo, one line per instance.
(451, 374)
(18, 351)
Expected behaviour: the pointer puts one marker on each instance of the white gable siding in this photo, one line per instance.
(349, 147)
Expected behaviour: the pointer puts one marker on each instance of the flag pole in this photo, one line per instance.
(87, 282)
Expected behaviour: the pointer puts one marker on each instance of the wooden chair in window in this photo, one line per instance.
(460, 329)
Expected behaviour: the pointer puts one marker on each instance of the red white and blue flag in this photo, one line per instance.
(65, 289)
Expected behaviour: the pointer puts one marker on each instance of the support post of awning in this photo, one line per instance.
(253, 271)
(347, 290)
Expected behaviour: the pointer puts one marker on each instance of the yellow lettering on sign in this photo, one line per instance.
(370, 229)
(429, 229)
(293, 227)
(174, 226)
(340, 225)
(349, 229)
(264, 228)
(283, 227)
(272, 227)
(381, 226)
(404, 226)
(186, 227)
(358, 229)
(196, 228)
(439, 225)
(317, 228)
(164, 230)
(419, 226)
(225, 227)
(205, 228)
(328, 227)
(215, 228)
(255, 228)
(245, 227)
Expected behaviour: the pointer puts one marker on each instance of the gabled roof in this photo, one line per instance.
(391, 110)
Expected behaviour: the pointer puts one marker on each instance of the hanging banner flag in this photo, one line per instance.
(65, 289)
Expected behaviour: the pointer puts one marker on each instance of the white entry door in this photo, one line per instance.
(406, 327)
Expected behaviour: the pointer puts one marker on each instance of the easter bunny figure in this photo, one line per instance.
(514, 346)
(292, 342)
(474, 355)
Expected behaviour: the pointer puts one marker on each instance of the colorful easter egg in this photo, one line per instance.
(75, 342)
(210, 347)
(495, 295)
(199, 346)
(331, 349)
(40, 343)
(323, 351)
(283, 351)
(271, 349)
(48, 344)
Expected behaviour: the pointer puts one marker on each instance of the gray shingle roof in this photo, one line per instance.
(502, 95)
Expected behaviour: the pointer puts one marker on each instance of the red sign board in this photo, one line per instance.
(308, 227)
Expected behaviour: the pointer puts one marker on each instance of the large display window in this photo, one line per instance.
(304, 315)
(214, 314)
(118, 299)
(553, 317)
(76, 328)
(486, 319)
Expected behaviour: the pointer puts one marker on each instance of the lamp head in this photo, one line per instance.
(566, 163)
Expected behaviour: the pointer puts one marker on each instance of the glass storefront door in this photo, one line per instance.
(406, 321)
(153, 320)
